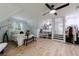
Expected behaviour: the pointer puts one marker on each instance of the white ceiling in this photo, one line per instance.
(68, 10)
(32, 12)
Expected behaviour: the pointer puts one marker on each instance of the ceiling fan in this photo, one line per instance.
(53, 10)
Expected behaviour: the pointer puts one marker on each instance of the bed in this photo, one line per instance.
(19, 38)
(3, 46)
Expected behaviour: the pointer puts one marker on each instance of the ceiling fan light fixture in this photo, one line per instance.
(52, 11)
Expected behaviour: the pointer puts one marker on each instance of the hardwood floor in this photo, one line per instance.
(43, 47)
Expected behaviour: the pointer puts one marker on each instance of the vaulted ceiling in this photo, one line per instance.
(32, 12)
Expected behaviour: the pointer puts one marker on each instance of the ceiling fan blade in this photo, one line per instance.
(48, 6)
(52, 6)
(60, 7)
(45, 13)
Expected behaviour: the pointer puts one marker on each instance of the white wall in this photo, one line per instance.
(15, 22)
(6, 11)
(3, 27)
(9, 25)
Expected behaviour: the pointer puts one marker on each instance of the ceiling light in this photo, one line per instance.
(52, 11)
(48, 23)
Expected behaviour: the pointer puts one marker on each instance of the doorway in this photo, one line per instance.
(72, 20)
(58, 28)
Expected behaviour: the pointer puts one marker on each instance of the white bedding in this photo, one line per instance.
(2, 46)
(31, 35)
(19, 38)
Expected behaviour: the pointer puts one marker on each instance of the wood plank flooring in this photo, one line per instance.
(43, 47)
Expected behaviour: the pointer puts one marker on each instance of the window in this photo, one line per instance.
(59, 26)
